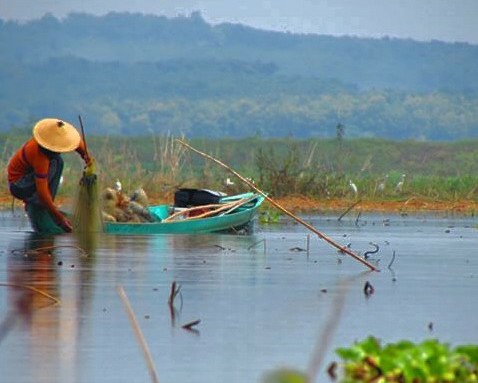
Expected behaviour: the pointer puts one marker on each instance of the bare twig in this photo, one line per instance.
(358, 217)
(390, 267)
(190, 325)
(308, 245)
(348, 209)
(392, 260)
(175, 290)
(55, 300)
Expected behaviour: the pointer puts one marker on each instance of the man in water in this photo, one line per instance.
(34, 172)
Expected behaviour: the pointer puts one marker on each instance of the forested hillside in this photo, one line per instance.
(138, 74)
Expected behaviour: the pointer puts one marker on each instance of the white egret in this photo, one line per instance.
(353, 187)
(399, 187)
(229, 182)
(118, 187)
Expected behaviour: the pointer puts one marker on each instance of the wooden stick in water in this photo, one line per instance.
(139, 334)
(348, 209)
(343, 249)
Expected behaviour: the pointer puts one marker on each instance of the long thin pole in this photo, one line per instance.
(139, 334)
(83, 133)
(343, 249)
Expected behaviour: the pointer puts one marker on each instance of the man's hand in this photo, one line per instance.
(65, 224)
(90, 165)
(87, 159)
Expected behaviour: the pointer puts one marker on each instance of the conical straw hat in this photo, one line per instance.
(56, 135)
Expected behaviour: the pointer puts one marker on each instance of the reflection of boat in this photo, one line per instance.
(231, 213)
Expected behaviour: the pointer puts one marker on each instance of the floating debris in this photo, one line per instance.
(297, 249)
(332, 370)
(368, 289)
(190, 326)
(367, 254)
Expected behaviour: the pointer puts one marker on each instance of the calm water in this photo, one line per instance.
(263, 299)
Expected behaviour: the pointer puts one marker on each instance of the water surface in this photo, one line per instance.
(263, 300)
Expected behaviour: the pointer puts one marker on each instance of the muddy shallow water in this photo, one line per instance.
(264, 300)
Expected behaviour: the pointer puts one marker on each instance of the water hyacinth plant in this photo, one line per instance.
(427, 362)
(368, 361)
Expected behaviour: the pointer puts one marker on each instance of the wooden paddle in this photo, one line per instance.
(343, 249)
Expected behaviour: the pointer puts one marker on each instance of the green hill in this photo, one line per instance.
(137, 74)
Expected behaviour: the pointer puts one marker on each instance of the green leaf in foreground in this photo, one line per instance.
(404, 361)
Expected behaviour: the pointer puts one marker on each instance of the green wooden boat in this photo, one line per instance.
(234, 219)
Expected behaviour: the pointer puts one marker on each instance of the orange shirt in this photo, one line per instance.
(31, 158)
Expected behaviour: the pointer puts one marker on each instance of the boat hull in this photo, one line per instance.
(235, 220)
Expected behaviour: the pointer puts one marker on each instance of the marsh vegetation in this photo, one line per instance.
(320, 168)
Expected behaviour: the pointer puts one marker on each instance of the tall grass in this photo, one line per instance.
(316, 168)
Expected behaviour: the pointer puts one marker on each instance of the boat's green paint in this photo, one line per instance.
(236, 219)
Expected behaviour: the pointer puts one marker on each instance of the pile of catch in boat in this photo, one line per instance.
(118, 207)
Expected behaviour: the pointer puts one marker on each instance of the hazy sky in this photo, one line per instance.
(446, 20)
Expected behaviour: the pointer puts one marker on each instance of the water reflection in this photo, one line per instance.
(32, 280)
(46, 304)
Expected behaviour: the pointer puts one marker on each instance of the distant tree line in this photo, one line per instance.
(136, 74)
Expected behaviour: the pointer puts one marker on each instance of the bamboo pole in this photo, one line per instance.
(139, 334)
(343, 249)
(191, 209)
(83, 133)
(217, 208)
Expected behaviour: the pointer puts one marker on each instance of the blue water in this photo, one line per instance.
(263, 300)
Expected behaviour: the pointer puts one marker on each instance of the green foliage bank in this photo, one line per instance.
(318, 168)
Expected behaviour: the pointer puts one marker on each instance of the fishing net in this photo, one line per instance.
(87, 214)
